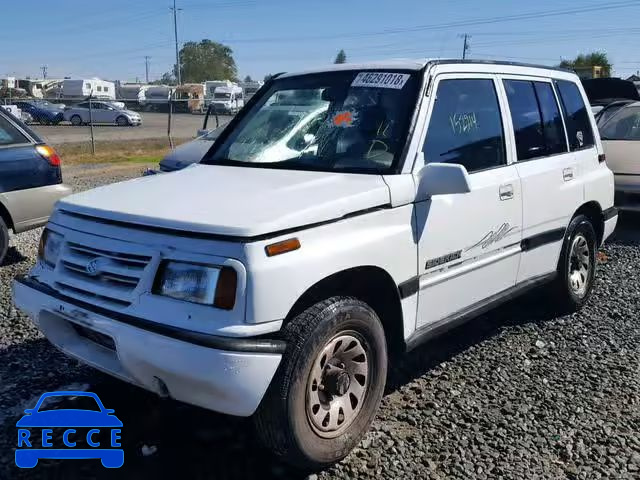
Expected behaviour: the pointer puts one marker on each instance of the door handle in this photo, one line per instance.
(506, 192)
(567, 174)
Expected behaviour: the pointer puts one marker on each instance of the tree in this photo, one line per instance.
(248, 79)
(207, 60)
(267, 77)
(166, 79)
(341, 57)
(592, 59)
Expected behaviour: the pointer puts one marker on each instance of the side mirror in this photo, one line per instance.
(442, 179)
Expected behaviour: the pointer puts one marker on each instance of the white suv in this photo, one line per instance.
(427, 193)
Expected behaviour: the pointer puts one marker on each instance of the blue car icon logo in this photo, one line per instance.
(35, 433)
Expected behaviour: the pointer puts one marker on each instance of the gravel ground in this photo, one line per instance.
(519, 393)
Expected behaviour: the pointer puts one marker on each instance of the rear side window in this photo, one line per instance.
(466, 126)
(526, 118)
(624, 126)
(579, 129)
(552, 127)
(9, 134)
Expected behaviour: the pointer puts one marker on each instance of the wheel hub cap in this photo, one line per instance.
(579, 265)
(337, 385)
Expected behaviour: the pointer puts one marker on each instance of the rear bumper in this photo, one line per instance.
(225, 374)
(610, 216)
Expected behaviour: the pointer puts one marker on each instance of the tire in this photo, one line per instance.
(299, 417)
(4, 239)
(122, 121)
(76, 120)
(576, 266)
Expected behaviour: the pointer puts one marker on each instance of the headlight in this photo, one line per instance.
(191, 282)
(49, 248)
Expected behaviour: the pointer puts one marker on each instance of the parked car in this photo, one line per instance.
(621, 141)
(41, 112)
(607, 111)
(30, 179)
(102, 112)
(278, 287)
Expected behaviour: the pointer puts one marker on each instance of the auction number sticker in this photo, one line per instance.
(380, 80)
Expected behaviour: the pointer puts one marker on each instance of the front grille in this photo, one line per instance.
(107, 276)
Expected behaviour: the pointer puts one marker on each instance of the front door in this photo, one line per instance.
(468, 244)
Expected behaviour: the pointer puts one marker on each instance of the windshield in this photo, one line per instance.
(335, 121)
(222, 96)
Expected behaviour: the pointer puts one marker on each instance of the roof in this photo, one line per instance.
(414, 64)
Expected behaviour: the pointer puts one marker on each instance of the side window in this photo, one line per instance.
(553, 130)
(87, 85)
(576, 116)
(9, 134)
(466, 125)
(525, 115)
(83, 105)
(99, 88)
(624, 126)
(106, 89)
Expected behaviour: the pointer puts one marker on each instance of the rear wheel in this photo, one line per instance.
(76, 120)
(329, 385)
(4, 239)
(577, 265)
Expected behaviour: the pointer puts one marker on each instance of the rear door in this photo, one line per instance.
(551, 186)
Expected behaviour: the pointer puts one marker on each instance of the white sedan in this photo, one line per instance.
(101, 112)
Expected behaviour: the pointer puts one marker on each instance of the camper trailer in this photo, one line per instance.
(78, 89)
(189, 98)
(156, 97)
(132, 94)
(250, 89)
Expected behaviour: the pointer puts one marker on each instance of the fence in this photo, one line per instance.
(121, 127)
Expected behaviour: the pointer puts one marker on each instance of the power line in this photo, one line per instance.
(444, 26)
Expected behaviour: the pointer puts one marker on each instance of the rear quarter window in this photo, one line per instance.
(10, 135)
(576, 116)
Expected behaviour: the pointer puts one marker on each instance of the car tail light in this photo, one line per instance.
(49, 154)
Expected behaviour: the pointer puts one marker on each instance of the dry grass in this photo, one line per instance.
(130, 151)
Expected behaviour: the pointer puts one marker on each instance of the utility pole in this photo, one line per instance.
(465, 46)
(146, 66)
(175, 30)
(44, 71)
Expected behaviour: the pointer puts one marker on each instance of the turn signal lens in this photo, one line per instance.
(49, 154)
(284, 246)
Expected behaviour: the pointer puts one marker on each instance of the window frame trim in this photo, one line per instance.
(587, 109)
(434, 84)
(532, 78)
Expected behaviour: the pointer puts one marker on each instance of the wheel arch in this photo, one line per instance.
(593, 211)
(370, 284)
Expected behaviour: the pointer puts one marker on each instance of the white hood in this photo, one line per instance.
(235, 201)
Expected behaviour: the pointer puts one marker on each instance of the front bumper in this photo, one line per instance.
(225, 374)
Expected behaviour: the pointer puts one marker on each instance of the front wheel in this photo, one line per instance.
(75, 120)
(328, 386)
(577, 265)
(122, 121)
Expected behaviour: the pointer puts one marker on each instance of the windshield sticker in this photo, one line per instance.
(344, 119)
(380, 80)
(463, 122)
